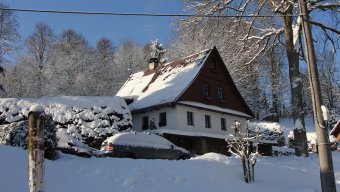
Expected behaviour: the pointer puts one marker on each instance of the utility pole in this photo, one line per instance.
(324, 150)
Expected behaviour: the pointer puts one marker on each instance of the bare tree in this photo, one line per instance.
(263, 36)
(245, 148)
(273, 65)
(105, 49)
(104, 73)
(330, 73)
(129, 58)
(70, 41)
(39, 45)
(8, 35)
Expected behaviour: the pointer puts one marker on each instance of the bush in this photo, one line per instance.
(18, 136)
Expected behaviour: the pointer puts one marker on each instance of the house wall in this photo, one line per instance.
(171, 118)
(177, 120)
(199, 121)
(195, 137)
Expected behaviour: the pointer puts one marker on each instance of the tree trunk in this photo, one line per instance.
(295, 82)
(245, 170)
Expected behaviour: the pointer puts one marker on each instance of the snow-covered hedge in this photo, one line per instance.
(87, 119)
(269, 132)
(16, 134)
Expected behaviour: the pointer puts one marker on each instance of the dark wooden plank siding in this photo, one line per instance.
(215, 77)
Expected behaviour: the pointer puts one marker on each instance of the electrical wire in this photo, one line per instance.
(136, 14)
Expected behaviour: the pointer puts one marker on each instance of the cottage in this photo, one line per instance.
(192, 101)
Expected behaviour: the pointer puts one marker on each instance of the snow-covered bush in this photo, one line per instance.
(87, 119)
(16, 134)
(269, 132)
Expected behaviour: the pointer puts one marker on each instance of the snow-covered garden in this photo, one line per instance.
(210, 172)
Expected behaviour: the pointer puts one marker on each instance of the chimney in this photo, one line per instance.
(153, 63)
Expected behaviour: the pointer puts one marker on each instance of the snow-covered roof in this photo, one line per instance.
(215, 108)
(142, 139)
(164, 84)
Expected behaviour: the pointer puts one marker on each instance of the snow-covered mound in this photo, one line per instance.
(209, 172)
(270, 132)
(88, 119)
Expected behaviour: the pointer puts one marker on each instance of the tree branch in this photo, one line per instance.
(325, 6)
(325, 27)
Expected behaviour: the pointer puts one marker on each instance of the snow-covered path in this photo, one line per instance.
(210, 172)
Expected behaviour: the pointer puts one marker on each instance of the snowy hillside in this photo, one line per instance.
(210, 172)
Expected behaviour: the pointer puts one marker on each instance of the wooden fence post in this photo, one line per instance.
(36, 172)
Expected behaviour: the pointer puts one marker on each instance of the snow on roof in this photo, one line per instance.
(215, 108)
(163, 84)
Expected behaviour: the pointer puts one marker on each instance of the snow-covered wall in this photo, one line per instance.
(84, 118)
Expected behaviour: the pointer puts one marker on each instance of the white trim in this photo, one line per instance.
(215, 108)
(186, 133)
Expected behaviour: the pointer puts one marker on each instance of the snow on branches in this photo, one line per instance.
(245, 148)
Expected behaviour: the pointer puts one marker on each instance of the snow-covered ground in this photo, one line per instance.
(210, 172)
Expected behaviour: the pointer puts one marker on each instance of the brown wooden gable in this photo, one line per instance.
(215, 74)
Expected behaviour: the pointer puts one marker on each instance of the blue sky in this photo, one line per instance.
(93, 27)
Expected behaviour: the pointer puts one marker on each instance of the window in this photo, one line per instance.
(190, 118)
(223, 127)
(162, 119)
(213, 65)
(220, 93)
(145, 123)
(205, 89)
(207, 121)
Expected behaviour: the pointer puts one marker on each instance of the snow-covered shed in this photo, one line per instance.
(192, 101)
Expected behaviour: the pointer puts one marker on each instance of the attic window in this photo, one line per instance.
(205, 89)
(213, 65)
(220, 95)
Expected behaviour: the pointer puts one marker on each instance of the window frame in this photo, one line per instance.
(220, 94)
(223, 124)
(162, 119)
(213, 65)
(207, 120)
(145, 123)
(190, 118)
(206, 89)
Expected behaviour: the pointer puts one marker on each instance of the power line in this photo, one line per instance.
(136, 14)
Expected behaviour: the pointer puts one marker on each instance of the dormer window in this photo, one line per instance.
(205, 89)
(220, 95)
